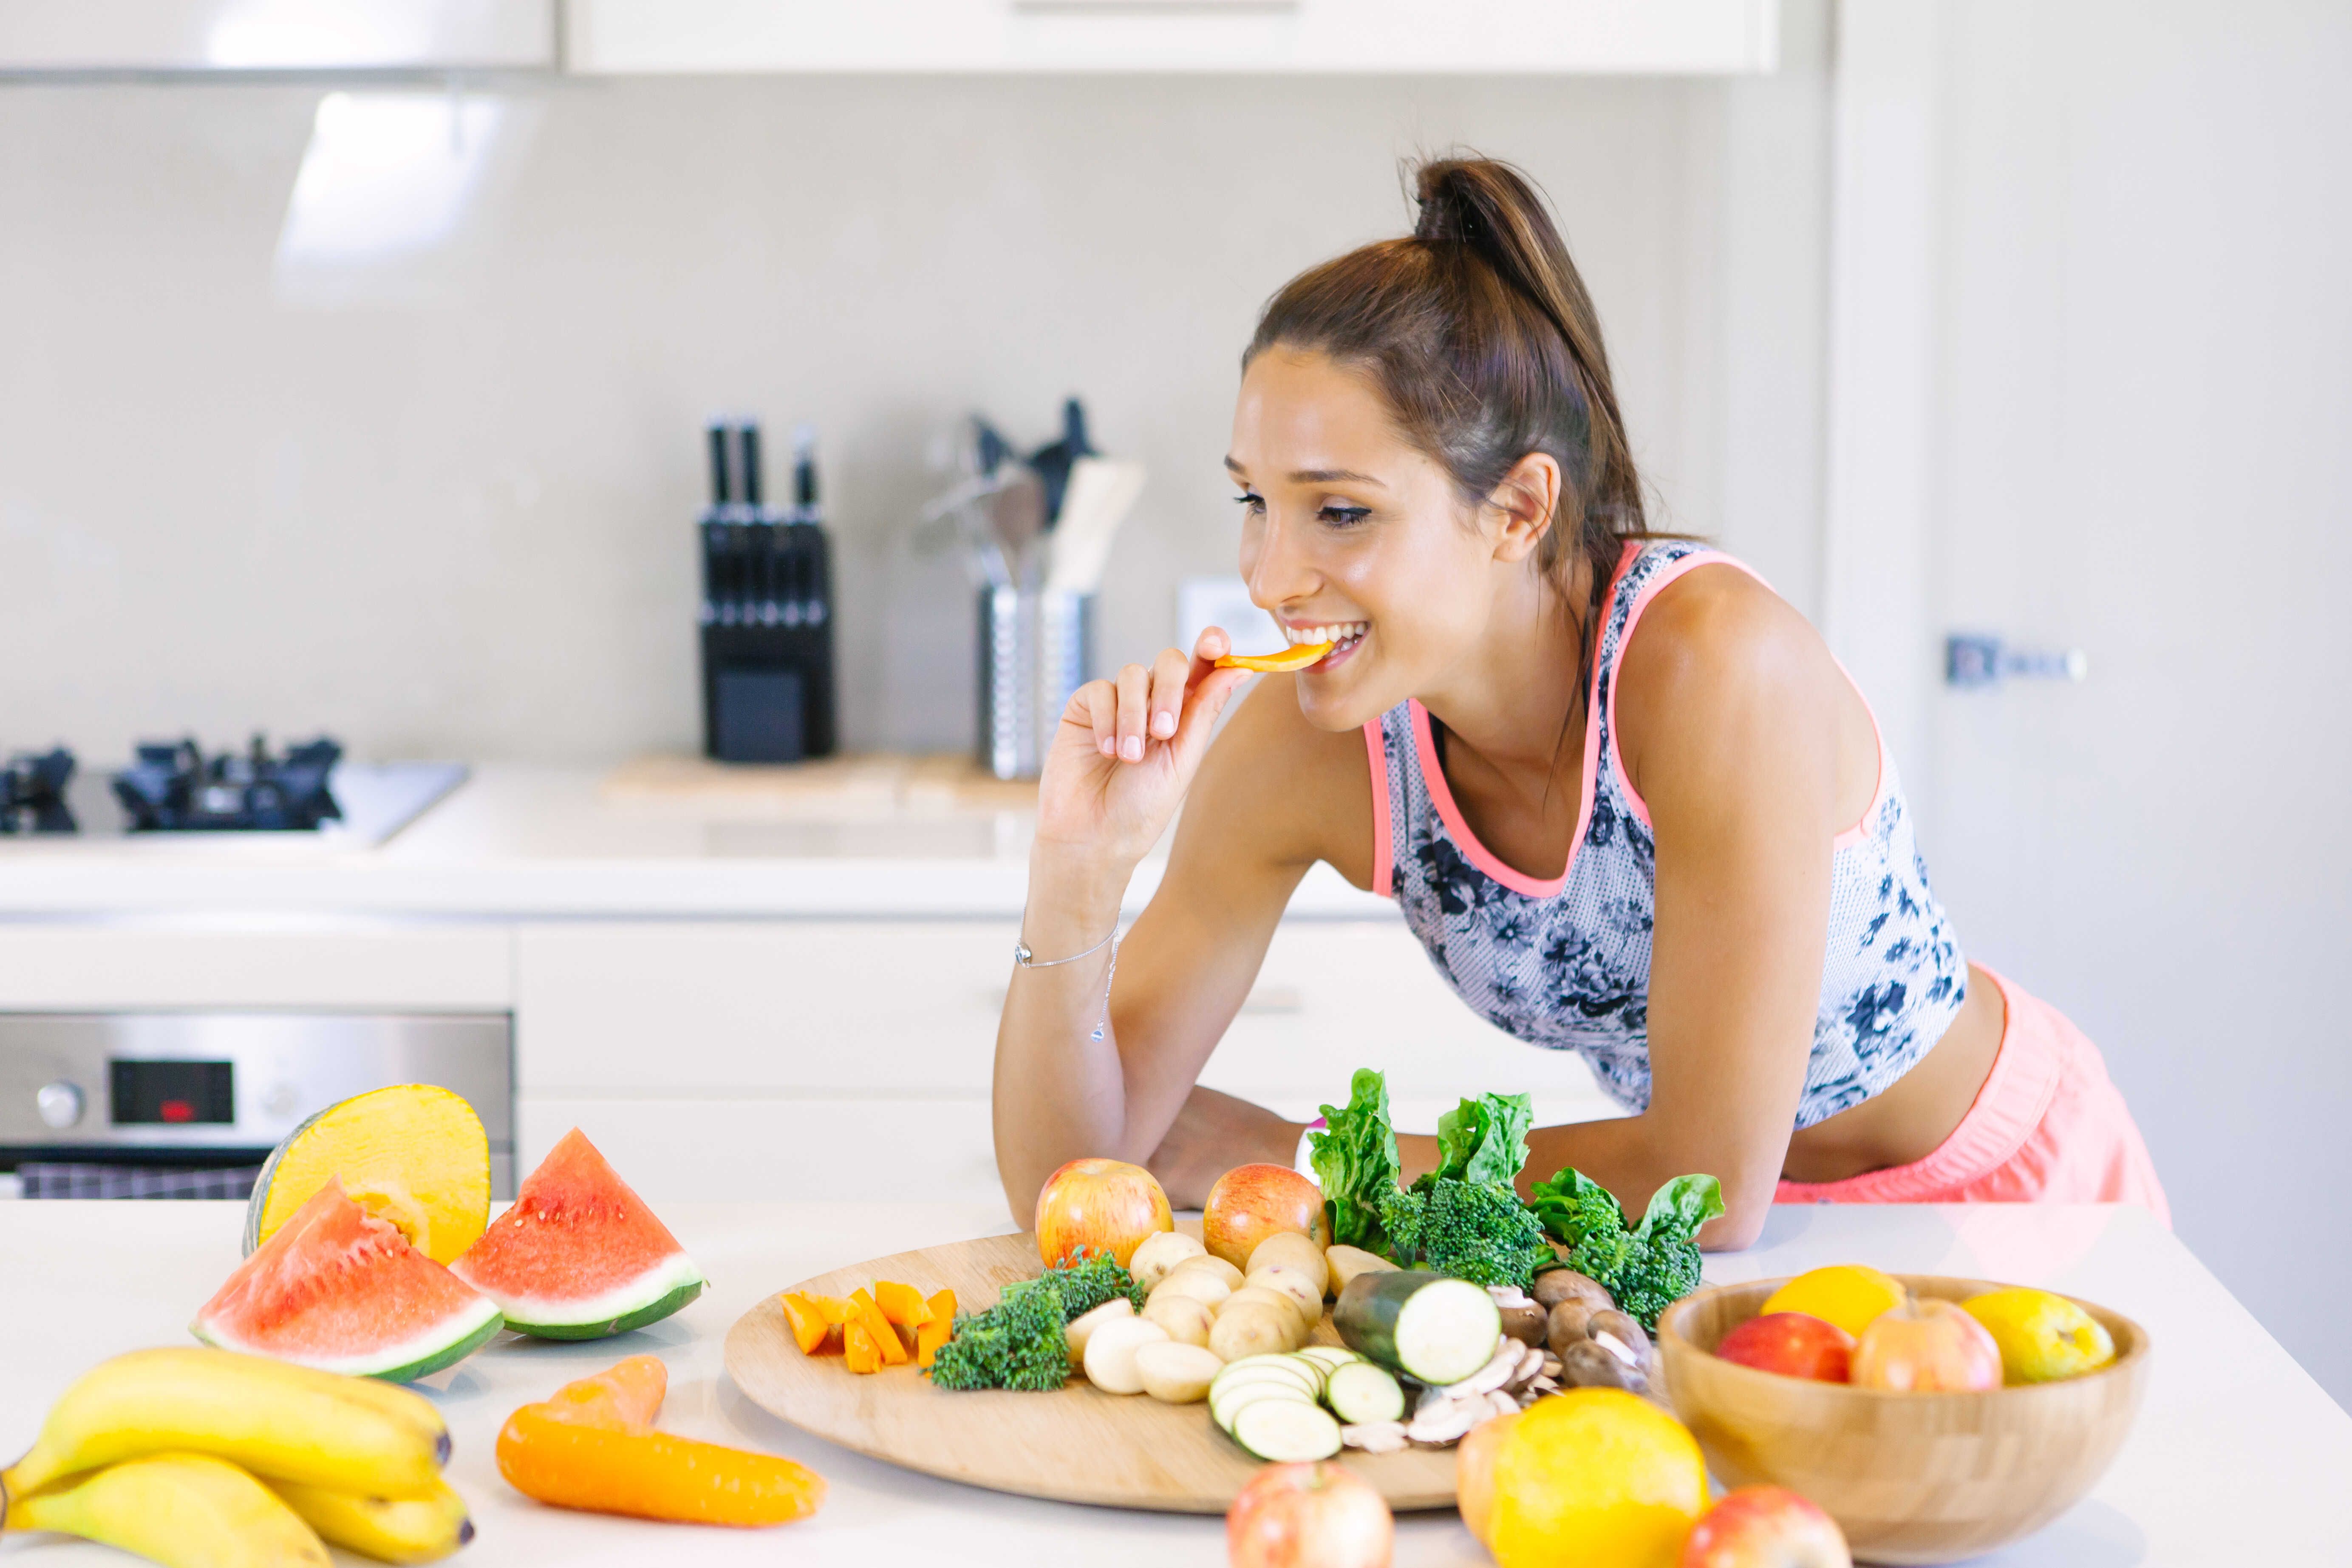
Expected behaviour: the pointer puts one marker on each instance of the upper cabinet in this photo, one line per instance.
(1391, 36)
(176, 38)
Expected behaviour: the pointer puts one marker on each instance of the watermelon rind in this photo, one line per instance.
(649, 1297)
(444, 1345)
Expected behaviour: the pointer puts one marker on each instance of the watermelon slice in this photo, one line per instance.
(336, 1289)
(579, 1256)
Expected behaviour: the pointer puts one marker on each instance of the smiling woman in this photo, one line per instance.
(1686, 857)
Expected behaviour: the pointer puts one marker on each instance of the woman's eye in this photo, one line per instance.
(1248, 502)
(1344, 516)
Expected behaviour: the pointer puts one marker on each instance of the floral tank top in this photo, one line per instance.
(1565, 963)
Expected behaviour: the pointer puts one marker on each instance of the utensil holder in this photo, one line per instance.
(1036, 648)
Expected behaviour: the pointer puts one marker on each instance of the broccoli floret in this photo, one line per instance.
(1647, 1269)
(1018, 1343)
(1477, 1231)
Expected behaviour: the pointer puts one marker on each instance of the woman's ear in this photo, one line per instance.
(1527, 501)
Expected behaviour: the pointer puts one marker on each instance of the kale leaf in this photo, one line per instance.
(1356, 1162)
(1647, 1269)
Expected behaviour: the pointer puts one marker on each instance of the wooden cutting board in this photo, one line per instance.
(1080, 1445)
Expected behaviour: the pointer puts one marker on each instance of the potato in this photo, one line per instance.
(1186, 1319)
(1305, 1291)
(1198, 1283)
(1254, 1328)
(1081, 1327)
(1215, 1268)
(1111, 1353)
(1346, 1262)
(1161, 1251)
(1176, 1374)
(1299, 1252)
(1554, 1286)
(1267, 1296)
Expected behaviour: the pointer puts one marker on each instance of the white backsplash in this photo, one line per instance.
(444, 508)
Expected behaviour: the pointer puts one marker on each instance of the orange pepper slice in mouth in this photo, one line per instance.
(1298, 656)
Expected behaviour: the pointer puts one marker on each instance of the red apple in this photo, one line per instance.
(1100, 1206)
(1925, 1347)
(1765, 1527)
(1794, 1344)
(1250, 1203)
(1309, 1516)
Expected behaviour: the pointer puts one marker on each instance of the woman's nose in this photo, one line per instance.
(1272, 565)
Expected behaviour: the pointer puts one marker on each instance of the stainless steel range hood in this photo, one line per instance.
(196, 39)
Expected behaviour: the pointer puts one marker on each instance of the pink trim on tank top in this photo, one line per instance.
(1383, 845)
(1441, 794)
(1674, 571)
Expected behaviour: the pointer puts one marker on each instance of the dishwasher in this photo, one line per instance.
(189, 1104)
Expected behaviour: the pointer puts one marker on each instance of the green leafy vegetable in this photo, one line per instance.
(1356, 1162)
(1018, 1343)
(1647, 1269)
(1464, 1218)
(1485, 1139)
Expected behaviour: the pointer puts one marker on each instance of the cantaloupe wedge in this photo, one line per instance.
(1298, 656)
(413, 1154)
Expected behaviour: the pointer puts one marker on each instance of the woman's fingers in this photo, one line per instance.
(1207, 701)
(1134, 703)
(1212, 645)
(1171, 673)
(1096, 705)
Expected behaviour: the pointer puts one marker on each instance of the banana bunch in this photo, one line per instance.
(206, 1459)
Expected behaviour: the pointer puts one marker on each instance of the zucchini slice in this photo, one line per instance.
(1228, 1404)
(1433, 1329)
(1285, 1432)
(1361, 1393)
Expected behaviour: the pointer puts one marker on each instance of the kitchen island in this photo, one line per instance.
(2237, 1458)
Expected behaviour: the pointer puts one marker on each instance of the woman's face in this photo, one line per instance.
(1349, 534)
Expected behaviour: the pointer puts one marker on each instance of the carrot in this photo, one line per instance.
(811, 1330)
(902, 1304)
(938, 1331)
(606, 1468)
(627, 1394)
(857, 1345)
(886, 1337)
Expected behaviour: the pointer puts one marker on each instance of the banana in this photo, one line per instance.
(390, 1530)
(184, 1511)
(285, 1422)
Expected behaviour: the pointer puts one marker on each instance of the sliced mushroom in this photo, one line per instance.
(1493, 1374)
(1447, 1423)
(1374, 1436)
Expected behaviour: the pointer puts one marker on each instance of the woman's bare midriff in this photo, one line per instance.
(1911, 1120)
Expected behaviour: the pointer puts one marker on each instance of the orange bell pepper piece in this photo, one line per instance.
(858, 1347)
(902, 1304)
(593, 1446)
(938, 1331)
(885, 1338)
(812, 1331)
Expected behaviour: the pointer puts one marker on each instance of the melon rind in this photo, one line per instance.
(427, 1138)
(649, 1297)
(419, 1356)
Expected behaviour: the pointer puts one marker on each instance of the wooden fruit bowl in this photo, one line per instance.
(1910, 1478)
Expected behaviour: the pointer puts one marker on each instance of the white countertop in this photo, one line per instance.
(2238, 1456)
(535, 842)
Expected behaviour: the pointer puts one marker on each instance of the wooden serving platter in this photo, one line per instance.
(1079, 1445)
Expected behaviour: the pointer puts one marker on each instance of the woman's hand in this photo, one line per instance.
(1126, 752)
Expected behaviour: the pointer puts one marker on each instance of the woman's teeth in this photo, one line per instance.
(1343, 632)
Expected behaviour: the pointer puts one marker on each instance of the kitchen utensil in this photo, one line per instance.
(1102, 491)
(1910, 1478)
(1054, 460)
(1016, 517)
(1079, 1445)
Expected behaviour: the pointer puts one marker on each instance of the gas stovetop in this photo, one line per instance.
(175, 788)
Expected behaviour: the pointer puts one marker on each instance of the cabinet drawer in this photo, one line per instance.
(112, 968)
(767, 1147)
(760, 1006)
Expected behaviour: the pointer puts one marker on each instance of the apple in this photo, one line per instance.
(1794, 1344)
(1250, 1203)
(1925, 1347)
(1100, 1206)
(1318, 1515)
(1765, 1527)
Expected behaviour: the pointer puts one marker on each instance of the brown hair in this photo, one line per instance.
(1478, 332)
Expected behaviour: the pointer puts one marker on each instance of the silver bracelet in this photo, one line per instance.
(1028, 960)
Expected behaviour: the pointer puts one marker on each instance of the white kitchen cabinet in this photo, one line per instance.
(104, 967)
(1397, 37)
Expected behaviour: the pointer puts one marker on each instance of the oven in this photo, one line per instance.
(190, 1103)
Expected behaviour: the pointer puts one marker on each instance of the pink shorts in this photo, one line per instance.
(2047, 1127)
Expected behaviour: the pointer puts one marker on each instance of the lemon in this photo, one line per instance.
(2041, 1337)
(1847, 1294)
(1595, 1476)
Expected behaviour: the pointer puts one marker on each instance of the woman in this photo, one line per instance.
(1683, 855)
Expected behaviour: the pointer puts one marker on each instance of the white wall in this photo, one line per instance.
(451, 517)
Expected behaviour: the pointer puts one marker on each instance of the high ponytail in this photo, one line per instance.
(1478, 332)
